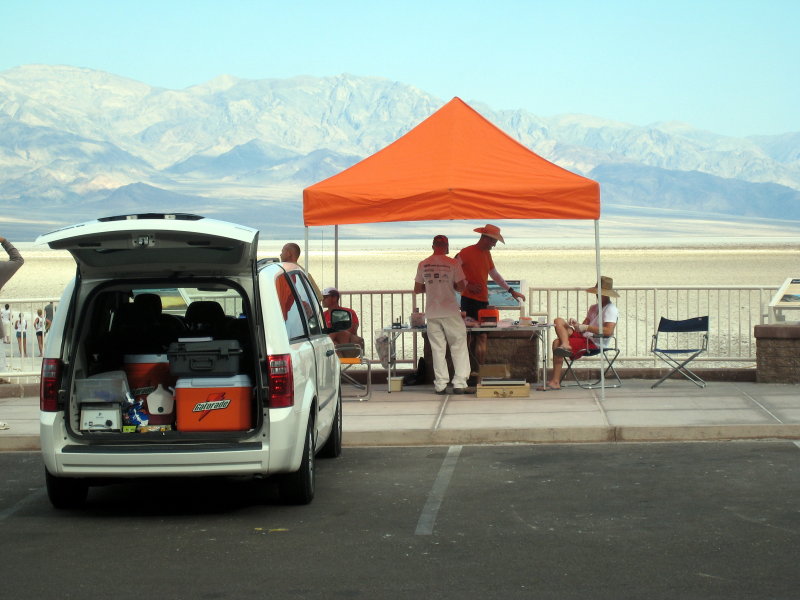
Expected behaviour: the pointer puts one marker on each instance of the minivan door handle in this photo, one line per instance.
(330, 352)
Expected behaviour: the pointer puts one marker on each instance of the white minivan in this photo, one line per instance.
(175, 352)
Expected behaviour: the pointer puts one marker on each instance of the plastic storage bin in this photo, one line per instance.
(104, 388)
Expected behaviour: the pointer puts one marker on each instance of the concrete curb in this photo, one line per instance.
(699, 433)
(19, 443)
(571, 435)
(19, 390)
(553, 435)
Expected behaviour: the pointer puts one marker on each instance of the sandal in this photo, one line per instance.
(563, 351)
(547, 388)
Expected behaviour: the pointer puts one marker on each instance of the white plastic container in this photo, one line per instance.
(395, 384)
(161, 406)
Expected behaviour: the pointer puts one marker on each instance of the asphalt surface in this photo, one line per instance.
(668, 520)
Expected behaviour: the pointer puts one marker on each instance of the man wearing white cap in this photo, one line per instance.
(330, 300)
(476, 260)
(440, 277)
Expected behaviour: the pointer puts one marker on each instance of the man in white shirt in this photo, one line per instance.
(440, 277)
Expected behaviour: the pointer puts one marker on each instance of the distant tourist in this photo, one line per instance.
(5, 323)
(21, 327)
(38, 328)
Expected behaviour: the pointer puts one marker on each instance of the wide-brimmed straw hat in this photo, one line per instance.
(606, 287)
(493, 231)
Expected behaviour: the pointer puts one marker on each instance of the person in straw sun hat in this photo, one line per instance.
(574, 339)
(476, 260)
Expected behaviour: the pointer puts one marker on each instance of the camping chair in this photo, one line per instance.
(349, 356)
(675, 340)
(610, 354)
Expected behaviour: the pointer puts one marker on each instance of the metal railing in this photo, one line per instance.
(733, 313)
(19, 359)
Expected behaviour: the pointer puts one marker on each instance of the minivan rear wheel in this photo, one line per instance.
(66, 492)
(298, 487)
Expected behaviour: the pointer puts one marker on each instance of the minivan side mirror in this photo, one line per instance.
(340, 320)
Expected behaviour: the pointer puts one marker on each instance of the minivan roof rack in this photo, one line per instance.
(265, 261)
(163, 216)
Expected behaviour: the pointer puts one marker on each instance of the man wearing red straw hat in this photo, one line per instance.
(476, 260)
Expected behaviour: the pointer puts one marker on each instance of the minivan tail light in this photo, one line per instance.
(281, 381)
(49, 384)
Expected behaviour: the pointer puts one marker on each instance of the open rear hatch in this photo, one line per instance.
(157, 245)
(144, 317)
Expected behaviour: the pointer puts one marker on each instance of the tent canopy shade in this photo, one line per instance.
(453, 165)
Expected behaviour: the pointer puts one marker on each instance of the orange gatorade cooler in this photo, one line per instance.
(214, 403)
(145, 372)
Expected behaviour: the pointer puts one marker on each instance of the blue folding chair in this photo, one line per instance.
(678, 343)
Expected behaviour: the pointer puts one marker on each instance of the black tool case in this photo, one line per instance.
(204, 358)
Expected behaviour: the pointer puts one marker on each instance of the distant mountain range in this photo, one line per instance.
(76, 144)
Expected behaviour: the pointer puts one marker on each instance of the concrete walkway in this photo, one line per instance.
(675, 411)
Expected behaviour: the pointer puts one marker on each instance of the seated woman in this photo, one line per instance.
(574, 339)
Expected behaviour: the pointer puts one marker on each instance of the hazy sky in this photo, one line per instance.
(727, 66)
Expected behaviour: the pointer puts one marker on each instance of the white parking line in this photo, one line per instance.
(797, 444)
(436, 495)
(4, 514)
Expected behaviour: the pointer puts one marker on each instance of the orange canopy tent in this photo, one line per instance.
(453, 165)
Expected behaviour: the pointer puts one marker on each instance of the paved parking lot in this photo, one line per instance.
(676, 520)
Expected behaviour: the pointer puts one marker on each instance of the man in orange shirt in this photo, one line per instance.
(476, 261)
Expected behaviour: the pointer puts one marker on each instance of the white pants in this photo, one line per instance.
(444, 331)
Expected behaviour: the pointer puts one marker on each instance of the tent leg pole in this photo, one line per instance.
(305, 260)
(599, 308)
(336, 256)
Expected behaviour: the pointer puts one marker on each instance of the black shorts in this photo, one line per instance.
(472, 306)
